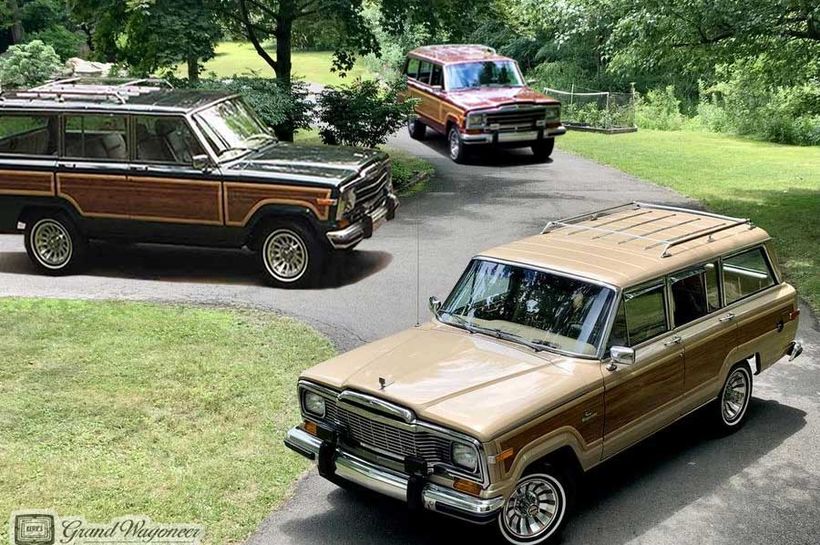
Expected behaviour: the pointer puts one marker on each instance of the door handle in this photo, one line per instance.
(728, 318)
(70, 165)
(140, 168)
(674, 340)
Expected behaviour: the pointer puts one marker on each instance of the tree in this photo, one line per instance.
(25, 65)
(148, 35)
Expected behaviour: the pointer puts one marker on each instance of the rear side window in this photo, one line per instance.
(29, 134)
(745, 274)
(694, 293)
(96, 137)
(412, 68)
(644, 313)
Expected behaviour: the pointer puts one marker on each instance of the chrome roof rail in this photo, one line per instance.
(578, 223)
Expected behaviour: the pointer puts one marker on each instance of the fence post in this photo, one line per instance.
(571, 93)
(608, 115)
(634, 121)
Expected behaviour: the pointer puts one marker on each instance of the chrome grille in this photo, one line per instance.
(389, 440)
(516, 119)
(370, 189)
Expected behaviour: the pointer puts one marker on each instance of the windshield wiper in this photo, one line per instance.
(463, 322)
(537, 345)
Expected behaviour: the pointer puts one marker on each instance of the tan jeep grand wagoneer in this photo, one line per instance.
(551, 355)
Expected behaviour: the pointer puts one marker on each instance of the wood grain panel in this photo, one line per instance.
(705, 357)
(243, 200)
(96, 195)
(644, 391)
(749, 330)
(586, 417)
(175, 200)
(21, 182)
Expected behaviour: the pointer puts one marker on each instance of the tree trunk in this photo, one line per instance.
(17, 31)
(193, 68)
(284, 59)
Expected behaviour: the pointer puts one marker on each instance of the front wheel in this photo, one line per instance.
(458, 153)
(537, 509)
(542, 150)
(290, 254)
(54, 244)
(730, 408)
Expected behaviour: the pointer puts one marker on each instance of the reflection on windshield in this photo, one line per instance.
(536, 308)
(476, 74)
(232, 128)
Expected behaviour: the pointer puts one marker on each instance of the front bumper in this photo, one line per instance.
(513, 137)
(336, 463)
(365, 227)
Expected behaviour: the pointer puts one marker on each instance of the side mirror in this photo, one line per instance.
(202, 162)
(531, 81)
(435, 305)
(621, 355)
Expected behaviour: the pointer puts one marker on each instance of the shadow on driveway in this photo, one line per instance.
(484, 155)
(205, 265)
(620, 499)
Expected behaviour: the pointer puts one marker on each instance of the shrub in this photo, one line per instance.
(25, 65)
(66, 44)
(659, 109)
(285, 111)
(363, 113)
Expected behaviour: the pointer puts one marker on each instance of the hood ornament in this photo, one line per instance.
(384, 382)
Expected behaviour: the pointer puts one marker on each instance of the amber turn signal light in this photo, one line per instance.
(468, 487)
(310, 427)
(794, 314)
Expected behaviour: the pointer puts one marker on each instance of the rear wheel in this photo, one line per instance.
(538, 508)
(458, 153)
(543, 149)
(54, 244)
(416, 128)
(291, 255)
(730, 409)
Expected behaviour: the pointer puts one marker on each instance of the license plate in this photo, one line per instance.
(517, 136)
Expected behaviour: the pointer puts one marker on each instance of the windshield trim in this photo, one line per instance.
(610, 312)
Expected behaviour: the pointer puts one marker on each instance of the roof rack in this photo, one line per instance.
(92, 88)
(478, 46)
(640, 209)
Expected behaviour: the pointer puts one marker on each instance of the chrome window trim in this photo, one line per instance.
(607, 324)
(481, 476)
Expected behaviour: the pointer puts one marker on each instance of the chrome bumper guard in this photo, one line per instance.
(365, 227)
(495, 137)
(393, 484)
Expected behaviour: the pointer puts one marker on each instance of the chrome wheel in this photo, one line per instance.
(52, 244)
(534, 510)
(286, 255)
(455, 144)
(735, 396)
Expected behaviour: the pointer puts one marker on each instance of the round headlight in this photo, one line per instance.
(465, 456)
(314, 404)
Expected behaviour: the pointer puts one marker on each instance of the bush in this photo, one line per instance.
(747, 102)
(659, 109)
(285, 111)
(25, 65)
(363, 113)
(66, 44)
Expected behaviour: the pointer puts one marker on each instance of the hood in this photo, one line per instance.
(491, 97)
(332, 164)
(472, 383)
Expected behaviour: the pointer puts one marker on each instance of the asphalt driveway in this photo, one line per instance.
(760, 486)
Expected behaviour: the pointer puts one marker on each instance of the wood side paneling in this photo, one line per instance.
(175, 200)
(705, 357)
(749, 330)
(643, 391)
(242, 200)
(96, 195)
(20, 182)
(586, 417)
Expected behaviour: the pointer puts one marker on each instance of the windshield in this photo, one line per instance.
(232, 128)
(539, 309)
(489, 73)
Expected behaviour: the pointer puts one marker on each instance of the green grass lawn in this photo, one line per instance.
(777, 186)
(240, 58)
(109, 409)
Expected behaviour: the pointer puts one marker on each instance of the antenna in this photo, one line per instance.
(418, 264)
